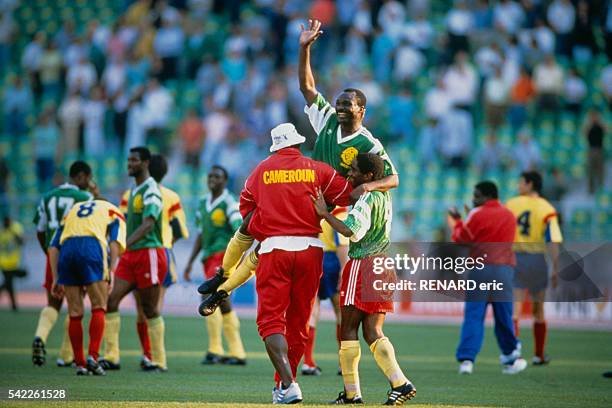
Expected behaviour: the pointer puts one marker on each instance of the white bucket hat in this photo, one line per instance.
(285, 135)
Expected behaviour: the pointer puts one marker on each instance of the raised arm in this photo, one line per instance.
(307, 81)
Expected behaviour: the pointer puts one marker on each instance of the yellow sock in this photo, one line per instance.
(350, 353)
(384, 354)
(112, 325)
(156, 328)
(46, 321)
(231, 332)
(237, 246)
(243, 273)
(65, 351)
(214, 325)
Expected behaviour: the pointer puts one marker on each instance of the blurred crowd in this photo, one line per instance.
(101, 88)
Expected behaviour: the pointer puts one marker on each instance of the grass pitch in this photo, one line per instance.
(573, 379)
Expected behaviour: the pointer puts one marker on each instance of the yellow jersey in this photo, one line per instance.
(536, 223)
(10, 249)
(332, 239)
(174, 220)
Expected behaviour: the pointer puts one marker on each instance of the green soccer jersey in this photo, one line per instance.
(335, 150)
(218, 220)
(145, 201)
(370, 222)
(54, 206)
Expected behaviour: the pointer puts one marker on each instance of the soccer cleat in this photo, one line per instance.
(516, 367)
(607, 374)
(466, 367)
(145, 362)
(38, 352)
(274, 394)
(342, 400)
(233, 361)
(61, 363)
(401, 394)
(82, 371)
(212, 358)
(211, 285)
(309, 370)
(289, 395)
(540, 361)
(93, 367)
(339, 370)
(109, 365)
(154, 368)
(211, 303)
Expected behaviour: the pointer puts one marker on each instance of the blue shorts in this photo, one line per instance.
(170, 278)
(328, 286)
(531, 272)
(81, 262)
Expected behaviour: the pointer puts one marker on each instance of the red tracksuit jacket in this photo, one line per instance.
(279, 189)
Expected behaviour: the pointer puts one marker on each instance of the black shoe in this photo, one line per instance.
(93, 367)
(211, 285)
(309, 370)
(233, 361)
(38, 352)
(341, 400)
(401, 394)
(539, 361)
(154, 368)
(145, 362)
(82, 371)
(212, 358)
(339, 370)
(109, 365)
(61, 363)
(211, 303)
(607, 374)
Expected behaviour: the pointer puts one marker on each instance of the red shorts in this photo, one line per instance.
(357, 289)
(144, 267)
(211, 264)
(48, 283)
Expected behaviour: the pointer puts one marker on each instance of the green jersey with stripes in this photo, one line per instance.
(370, 222)
(335, 150)
(54, 206)
(145, 201)
(218, 220)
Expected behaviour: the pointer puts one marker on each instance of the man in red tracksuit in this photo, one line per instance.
(278, 193)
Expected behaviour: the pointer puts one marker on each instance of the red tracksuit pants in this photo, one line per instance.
(287, 284)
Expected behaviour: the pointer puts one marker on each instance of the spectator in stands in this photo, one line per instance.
(508, 16)
(45, 137)
(595, 130)
(487, 58)
(527, 153)
(549, 80)
(71, 118)
(584, 43)
(492, 156)
(533, 12)
(429, 141)
(382, 56)
(562, 17)
(168, 46)
(17, 101)
(608, 29)
(408, 61)
(402, 111)
(496, 96)
(555, 187)
(31, 62)
(82, 76)
(391, 18)
(157, 104)
(545, 37)
(483, 15)
(420, 33)
(94, 112)
(437, 101)
(459, 25)
(114, 76)
(606, 83)
(216, 125)
(461, 82)
(191, 132)
(522, 93)
(7, 30)
(457, 127)
(575, 91)
(135, 124)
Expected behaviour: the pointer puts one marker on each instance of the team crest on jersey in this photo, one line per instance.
(218, 217)
(347, 156)
(137, 206)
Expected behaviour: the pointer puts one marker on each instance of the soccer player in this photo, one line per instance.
(368, 227)
(174, 227)
(218, 219)
(340, 137)
(537, 232)
(50, 212)
(79, 259)
(143, 266)
(335, 256)
(491, 225)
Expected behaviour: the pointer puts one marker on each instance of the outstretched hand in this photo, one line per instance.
(310, 35)
(319, 203)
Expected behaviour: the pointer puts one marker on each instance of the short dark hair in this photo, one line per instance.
(222, 169)
(361, 98)
(533, 177)
(143, 152)
(158, 167)
(488, 189)
(78, 167)
(371, 163)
